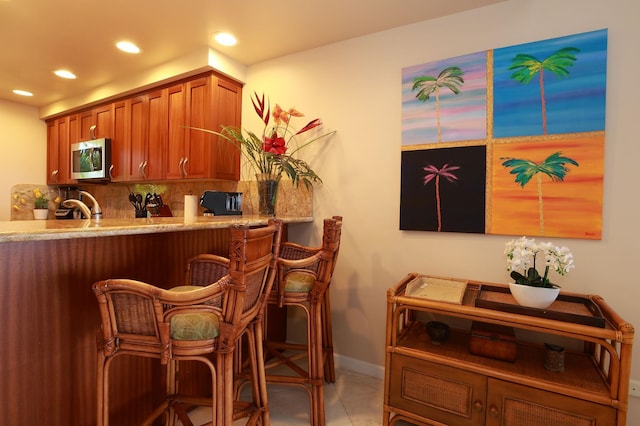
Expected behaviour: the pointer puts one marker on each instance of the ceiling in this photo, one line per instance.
(39, 36)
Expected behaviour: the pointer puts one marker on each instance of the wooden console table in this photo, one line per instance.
(445, 384)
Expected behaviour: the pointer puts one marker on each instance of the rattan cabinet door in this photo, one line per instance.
(512, 404)
(436, 392)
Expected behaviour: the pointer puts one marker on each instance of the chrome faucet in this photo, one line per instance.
(72, 202)
(97, 212)
(86, 211)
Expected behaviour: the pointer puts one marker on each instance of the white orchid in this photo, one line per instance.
(521, 261)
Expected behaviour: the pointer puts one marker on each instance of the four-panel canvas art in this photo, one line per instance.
(508, 141)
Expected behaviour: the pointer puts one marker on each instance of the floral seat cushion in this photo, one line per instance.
(195, 326)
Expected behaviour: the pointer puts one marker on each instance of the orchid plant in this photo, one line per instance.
(272, 151)
(522, 254)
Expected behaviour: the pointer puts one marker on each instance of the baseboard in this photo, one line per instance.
(352, 364)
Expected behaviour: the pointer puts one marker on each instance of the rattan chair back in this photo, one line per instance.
(137, 317)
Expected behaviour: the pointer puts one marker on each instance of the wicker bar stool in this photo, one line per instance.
(304, 276)
(198, 323)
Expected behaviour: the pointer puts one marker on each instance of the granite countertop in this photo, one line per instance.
(35, 230)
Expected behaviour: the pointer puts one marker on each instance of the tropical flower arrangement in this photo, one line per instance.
(272, 151)
(522, 254)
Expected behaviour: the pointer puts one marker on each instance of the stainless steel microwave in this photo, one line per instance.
(91, 159)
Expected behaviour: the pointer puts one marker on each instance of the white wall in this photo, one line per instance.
(23, 150)
(354, 86)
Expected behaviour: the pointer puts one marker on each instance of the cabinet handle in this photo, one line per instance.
(111, 171)
(92, 131)
(140, 169)
(54, 175)
(478, 406)
(184, 167)
(144, 169)
(493, 411)
(180, 168)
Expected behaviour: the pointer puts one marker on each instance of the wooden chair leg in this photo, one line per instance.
(100, 382)
(261, 376)
(316, 372)
(327, 339)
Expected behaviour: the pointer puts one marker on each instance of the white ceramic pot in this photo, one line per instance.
(533, 297)
(41, 214)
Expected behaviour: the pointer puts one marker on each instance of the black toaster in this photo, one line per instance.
(220, 203)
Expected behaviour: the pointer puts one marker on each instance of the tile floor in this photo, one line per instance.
(354, 399)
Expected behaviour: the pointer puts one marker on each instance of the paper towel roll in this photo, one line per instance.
(190, 208)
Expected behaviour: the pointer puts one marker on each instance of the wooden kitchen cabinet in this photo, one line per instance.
(188, 151)
(445, 384)
(227, 104)
(120, 143)
(61, 133)
(149, 136)
(96, 123)
(145, 136)
(207, 102)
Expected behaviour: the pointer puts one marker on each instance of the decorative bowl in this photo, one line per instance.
(438, 332)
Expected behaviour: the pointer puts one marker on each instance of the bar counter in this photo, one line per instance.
(36, 230)
(50, 317)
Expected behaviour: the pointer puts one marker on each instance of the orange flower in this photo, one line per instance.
(282, 116)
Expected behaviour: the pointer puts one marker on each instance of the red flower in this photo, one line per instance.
(274, 144)
(310, 125)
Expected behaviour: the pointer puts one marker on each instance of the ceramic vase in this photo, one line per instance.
(267, 194)
(533, 297)
(41, 214)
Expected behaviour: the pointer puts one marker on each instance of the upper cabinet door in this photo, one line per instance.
(227, 104)
(199, 114)
(96, 123)
(146, 136)
(61, 133)
(120, 142)
(177, 119)
(157, 124)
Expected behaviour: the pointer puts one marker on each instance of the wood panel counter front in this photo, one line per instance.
(49, 315)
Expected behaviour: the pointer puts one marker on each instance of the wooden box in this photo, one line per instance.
(493, 341)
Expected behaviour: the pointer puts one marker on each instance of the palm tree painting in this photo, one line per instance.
(550, 188)
(528, 66)
(443, 189)
(449, 78)
(508, 141)
(445, 100)
(553, 86)
(434, 174)
(554, 166)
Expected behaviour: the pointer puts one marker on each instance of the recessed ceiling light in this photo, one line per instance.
(22, 92)
(225, 39)
(65, 74)
(127, 46)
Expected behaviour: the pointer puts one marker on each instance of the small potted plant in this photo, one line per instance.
(40, 205)
(529, 287)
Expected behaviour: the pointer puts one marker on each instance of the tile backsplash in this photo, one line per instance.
(114, 197)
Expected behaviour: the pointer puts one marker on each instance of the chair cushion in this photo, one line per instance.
(196, 326)
(299, 282)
